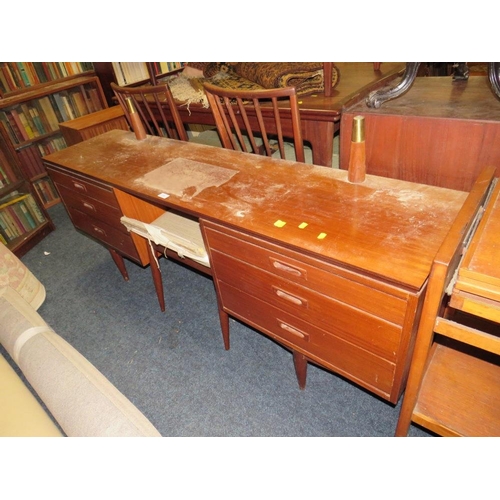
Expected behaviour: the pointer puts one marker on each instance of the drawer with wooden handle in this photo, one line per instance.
(98, 229)
(92, 207)
(359, 365)
(84, 186)
(333, 315)
(387, 302)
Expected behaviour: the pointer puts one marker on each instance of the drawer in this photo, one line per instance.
(318, 275)
(359, 365)
(91, 206)
(352, 324)
(83, 185)
(107, 234)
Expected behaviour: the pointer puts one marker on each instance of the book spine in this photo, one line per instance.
(30, 124)
(8, 128)
(27, 214)
(20, 126)
(36, 120)
(4, 178)
(20, 218)
(7, 231)
(13, 225)
(35, 209)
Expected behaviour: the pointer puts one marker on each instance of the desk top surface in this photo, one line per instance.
(385, 228)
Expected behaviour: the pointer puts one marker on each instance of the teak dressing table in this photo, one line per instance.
(336, 272)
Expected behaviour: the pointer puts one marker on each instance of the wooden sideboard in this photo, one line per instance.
(441, 132)
(335, 272)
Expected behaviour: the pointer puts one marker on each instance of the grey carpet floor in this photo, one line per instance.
(173, 366)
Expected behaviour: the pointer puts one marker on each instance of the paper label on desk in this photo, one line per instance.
(186, 178)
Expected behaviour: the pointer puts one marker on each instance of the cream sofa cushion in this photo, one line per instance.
(80, 398)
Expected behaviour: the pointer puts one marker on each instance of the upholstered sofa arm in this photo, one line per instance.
(15, 274)
(79, 397)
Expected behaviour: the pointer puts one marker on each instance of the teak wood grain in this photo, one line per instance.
(453, 385)
(405, 222)
(441, 132)
(334, 271)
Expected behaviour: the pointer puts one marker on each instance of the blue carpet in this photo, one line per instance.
(173, 366)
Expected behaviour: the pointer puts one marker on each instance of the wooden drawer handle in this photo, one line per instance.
(291, 298)
(287, 269)
(89, 206)
(293, 331)
(79, 186)
(99, 230)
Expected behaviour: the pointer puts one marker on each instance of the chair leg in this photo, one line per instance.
(156, 273)
(300, 362)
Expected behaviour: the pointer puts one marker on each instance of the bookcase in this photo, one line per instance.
(133, 73)
(23, 219)
(32, 106)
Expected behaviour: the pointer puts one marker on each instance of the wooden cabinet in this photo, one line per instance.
(310, 306)
(94, 210)
(85, 127)
(441, 132)
(30, 117)
(336, 272)
(23, 220)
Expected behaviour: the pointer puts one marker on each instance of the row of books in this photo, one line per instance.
(4, 178)
(131, 72)
(19, 214)
(36, 118)
(19, 75)
(46, 191)
(160, 68)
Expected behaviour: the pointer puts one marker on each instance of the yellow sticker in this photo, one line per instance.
(303, 225)
(279, 223)
(321, 236)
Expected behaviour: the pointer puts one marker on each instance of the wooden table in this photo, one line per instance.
(321, 115)
(335, 272)
(441, 132)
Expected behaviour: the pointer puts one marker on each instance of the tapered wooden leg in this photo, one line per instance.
(156, 273)
(300, 362)
(224, 325)
(120, 263)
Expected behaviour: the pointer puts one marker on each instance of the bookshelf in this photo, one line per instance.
(30, 116)
(16, 77)
(23, 219)
(133, 73)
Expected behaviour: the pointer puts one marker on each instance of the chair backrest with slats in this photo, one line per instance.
(156, 107)
(259, 116)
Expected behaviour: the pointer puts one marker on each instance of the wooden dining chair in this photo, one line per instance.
(257, 121)
(156, 107)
